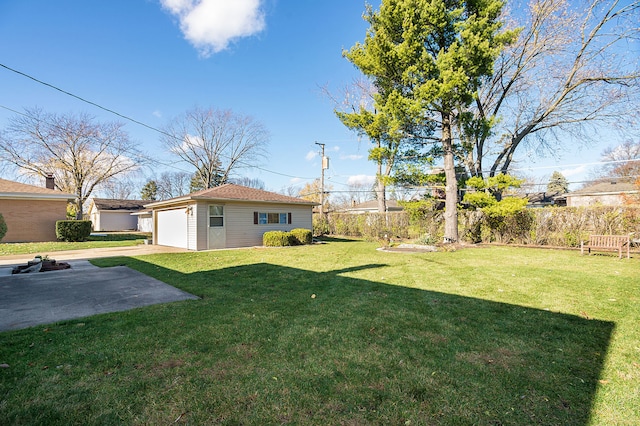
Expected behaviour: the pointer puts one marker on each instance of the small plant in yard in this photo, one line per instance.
(277, 239)
(302, 236)
(426, 239)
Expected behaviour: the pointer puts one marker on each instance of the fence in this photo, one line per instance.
(553, 226)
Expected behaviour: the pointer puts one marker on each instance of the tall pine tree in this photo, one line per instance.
(426, 59)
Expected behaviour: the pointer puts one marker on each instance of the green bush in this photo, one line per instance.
(302, 236)
(73, 230)
(277, 239)
(3, 227)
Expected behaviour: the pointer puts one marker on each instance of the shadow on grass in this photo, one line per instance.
(328, 239)
(268, 344)
(392, 350)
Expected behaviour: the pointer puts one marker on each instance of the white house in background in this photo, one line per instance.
(226, 216)
(606, 193)
(145, 220)
(115, 215)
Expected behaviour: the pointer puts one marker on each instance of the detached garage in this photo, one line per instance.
(115, 215)
(226, 216)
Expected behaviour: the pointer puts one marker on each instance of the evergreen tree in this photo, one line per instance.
(558, 183)
(149, 191)
(426, 59)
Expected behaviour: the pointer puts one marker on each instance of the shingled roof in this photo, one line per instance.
(11, 189)
(111, 204)
(232, 192)
(606, 187)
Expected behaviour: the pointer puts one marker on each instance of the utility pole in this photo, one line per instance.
(325, 165)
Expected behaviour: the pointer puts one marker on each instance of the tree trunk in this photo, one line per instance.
(381, 192)
(451, 189)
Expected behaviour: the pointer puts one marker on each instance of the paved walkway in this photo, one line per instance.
(41, 298)
(60, 256)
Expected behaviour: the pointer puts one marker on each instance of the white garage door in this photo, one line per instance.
(172, 228)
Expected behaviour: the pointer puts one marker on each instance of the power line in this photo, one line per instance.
(155, 129)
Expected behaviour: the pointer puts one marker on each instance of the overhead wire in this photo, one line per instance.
(171, 165)
(126, 117)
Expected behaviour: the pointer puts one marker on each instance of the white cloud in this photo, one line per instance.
(157, 113)
(361, 180)
(210, 25)
(573, 172)
(311, 155)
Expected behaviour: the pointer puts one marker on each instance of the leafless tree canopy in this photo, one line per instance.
(217, 143)
(173, 184)
(574, 70)
(80, 153)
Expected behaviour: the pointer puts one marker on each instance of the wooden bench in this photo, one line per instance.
(606, 242)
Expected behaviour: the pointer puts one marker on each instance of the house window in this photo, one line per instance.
(216, 216)
(260, 218)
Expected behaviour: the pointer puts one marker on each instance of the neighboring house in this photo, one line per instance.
(115, 215)
(372, 207)
(226, 216)
(145, 220)
(31, 212)
(606, 193)
(545, 199)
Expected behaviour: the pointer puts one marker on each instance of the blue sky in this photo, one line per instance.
(152, 60)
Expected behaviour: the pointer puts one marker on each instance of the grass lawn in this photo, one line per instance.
(342, 334)
(95, 241)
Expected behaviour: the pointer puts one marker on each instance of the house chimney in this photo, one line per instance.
(50, 182)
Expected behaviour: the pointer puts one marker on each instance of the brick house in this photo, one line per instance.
(31, 211)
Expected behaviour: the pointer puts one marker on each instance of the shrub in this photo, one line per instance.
(3, 227)
(277, 239)
(302, 236)
(73, 230)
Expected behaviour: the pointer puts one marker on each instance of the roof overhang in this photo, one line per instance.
(189, 199)
(35, 196)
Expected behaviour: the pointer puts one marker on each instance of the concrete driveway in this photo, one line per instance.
(33, 299)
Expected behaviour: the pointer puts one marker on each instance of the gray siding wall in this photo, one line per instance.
(192, 227)
(203, 226)
(242, 232)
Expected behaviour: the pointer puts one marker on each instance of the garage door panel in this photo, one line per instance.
(172, 228)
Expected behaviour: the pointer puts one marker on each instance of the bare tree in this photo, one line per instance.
(622, 160)
(216, 143)
(249, 182)
(172, 184)
(80, 153)
(571, 73)
(120, 188)
(356, 193)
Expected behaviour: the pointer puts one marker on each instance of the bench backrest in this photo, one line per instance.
(608, 240)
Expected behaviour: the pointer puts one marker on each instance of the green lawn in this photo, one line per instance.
(342, 334)
(94, 241)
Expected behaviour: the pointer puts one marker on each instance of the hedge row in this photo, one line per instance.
(73, 230)
(553, 226)
(295, 237)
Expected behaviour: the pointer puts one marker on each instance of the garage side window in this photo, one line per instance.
(260, 218)
(216, 216)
